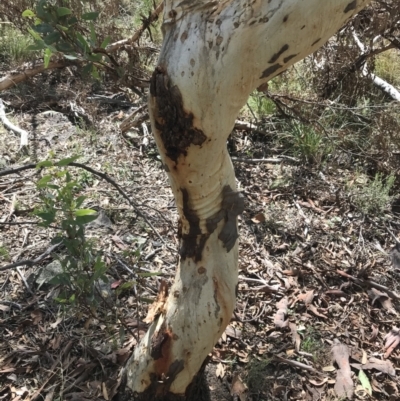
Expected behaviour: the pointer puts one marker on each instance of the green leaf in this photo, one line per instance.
(66, 161)
(81, 220)
(83, 42)
(365, 382)
(61, 11)
(65, 47)
(43, 28)
(94, 57)
(52, 38)
(44, 163)
(39, 45)
(87, 69)
(80, 200)
(62, 28)
(28, 13)
(42, 183)
(47, 56)
(35, 34)
(93, 36)
(72, 20)
(90, 16)
(105, 42)
(95, 73)
(84, 212)
(150, 274)
(48, 217)
(70, 57)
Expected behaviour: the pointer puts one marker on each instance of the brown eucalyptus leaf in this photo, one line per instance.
(295, 336)
(279, 318)
(392, 340)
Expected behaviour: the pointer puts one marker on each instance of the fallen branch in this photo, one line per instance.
(370, 283)
(146, 24)
(279, 159)
(295, 363)
(31, 262)
(379, 82)
(9, 125)
(14, 78)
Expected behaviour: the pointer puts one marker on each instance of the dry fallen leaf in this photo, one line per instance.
(279, 318)
(258, 218)
(307, 298)
(344, 384)
(295, 336)
(220, 371)
(392, 341)
(238, 389)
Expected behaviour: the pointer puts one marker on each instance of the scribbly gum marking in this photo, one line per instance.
(174, 124)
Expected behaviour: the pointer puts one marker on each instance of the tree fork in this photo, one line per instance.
(214, 55)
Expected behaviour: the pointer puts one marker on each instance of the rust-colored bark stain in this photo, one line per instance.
(165, 368)
(270, 70)
(276, 56)
(192, 243)
(171, 120)
(160, 338)
(351, 6)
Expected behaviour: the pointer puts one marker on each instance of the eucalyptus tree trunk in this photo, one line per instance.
(214, 54)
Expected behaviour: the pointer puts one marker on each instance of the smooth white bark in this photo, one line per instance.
(379, 82)
(215, 53)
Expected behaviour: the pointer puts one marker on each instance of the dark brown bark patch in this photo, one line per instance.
(233, 205)
(270, 70)
(315, 42)
(171, 120)
(351, 6)
(276, 56)
(288, 58)
(192, 243)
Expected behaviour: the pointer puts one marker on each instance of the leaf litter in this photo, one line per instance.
(317, 301)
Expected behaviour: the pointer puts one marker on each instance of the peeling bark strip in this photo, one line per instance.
(174, 123)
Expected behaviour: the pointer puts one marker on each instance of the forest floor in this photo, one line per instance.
(317, 314)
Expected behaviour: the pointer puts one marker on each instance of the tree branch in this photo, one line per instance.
(146, 25)
(8, 124)
(14, 78)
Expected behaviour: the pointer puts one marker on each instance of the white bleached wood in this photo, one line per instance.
(377, 81)
(8, 124)
(215, 53)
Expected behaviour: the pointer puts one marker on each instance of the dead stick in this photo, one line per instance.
(370, 283)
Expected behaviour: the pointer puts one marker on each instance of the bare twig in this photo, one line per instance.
(21, 274)
(104, 177)
(279, 159)
(14, 78)
(295, 363)
(146, 25)
(31, 262)
(370, 283)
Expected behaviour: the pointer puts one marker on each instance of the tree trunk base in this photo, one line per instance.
(198, 390)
